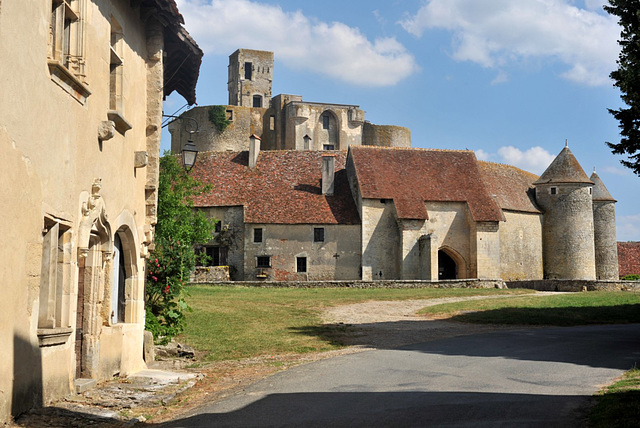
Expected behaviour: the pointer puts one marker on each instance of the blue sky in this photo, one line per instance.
(508, 79)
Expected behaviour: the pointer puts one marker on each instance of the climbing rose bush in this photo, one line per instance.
(171, 262)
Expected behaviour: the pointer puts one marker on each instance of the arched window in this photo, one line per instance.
(328, 132)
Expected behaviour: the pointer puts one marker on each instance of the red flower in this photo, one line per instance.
(166, 289)
(154, 278)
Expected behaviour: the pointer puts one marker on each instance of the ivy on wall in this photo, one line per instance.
(218, 116)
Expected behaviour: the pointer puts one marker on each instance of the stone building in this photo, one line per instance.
(402, 213)
(629, 258)
(82, 86)
(283, 122)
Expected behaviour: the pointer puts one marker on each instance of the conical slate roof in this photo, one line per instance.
(600, 192)
(564, 169)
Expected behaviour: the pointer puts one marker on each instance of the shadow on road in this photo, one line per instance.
(394, 409)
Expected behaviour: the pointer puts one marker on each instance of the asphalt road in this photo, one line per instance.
(531, 377)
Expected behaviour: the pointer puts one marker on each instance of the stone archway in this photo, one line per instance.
(451, 265)
(329, 132)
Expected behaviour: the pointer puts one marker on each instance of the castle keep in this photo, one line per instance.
(326, 195)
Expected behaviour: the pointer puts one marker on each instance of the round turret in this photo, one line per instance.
(564, 193)
(604, 231)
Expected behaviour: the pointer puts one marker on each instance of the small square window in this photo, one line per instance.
(554, 190)
(301, 264)
(230, 115)
(329, 147)
(263, 261)
(257, 235)
(318, 234)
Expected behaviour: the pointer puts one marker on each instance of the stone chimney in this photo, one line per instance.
(254, 150)
(328, 174)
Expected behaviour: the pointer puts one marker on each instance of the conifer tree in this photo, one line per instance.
(627, 78)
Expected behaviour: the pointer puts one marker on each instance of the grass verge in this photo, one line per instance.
(597, 307)
(241, 322)
(618, 405)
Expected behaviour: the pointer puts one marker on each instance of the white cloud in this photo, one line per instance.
(496, 33)
(536, 159)
(623, 172)
(333, 49)
(483, 155)
(628, 227)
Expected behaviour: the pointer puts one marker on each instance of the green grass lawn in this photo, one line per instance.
(240, 322)
(597, 307)
(618, 405)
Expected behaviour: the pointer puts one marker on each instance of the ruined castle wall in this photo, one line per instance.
(245, 121)
(521, 246)
(386, 135)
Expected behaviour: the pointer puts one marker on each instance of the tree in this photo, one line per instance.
(173, 259)
(627, 78)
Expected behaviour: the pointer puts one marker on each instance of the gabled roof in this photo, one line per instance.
(628, 258)
(600, 192)
(510, 186)
(564, 169)
(413, 176)
(284, 187)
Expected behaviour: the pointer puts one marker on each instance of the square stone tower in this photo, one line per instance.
(250, 78)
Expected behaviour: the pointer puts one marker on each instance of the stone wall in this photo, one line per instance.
(521, 246)
(385, 135)
(457, 283)
(209, 274)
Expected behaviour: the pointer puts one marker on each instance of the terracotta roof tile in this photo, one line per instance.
(511, 186)
(628, 258)
(412, 176)
(284, 187)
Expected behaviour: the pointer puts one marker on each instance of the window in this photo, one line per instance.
(230, 115)
(554, 190)
(216, 256)
(325, 121)
(248, 68)
(65, 55)
(301, 264)
(318, 234)
(257, 235)
(218, 228)
(115, 68)
(263, 261)
(328, 147)
(62, 29)
(56, 250)
(272, 122)
(257, 100)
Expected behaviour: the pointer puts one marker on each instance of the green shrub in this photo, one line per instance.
(632, 277)
(218, 116)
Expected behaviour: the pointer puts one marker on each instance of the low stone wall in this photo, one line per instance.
(575, 285)
(454, 283)
(540, 285)
(209, 274)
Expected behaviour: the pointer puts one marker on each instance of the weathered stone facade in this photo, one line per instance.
(78, 185)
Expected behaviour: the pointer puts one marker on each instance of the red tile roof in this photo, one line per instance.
(511, 186)
(284, 188)
(412, 176)
(628, 258)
